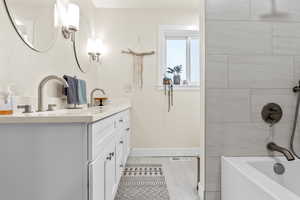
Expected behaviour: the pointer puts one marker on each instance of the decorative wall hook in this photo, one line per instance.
(138, 66)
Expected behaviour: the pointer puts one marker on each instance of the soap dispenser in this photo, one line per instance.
(6, 103)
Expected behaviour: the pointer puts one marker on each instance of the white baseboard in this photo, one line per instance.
(201, 191)
(160, 152)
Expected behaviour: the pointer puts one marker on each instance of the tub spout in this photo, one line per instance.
(274, 147)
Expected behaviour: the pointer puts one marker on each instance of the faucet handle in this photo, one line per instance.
(51, 107)
(27, 108)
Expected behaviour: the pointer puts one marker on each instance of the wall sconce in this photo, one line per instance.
(70, 20)
(95, 49)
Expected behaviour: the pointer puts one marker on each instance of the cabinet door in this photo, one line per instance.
(97, 178)
(102, 174)
(110, 177)
(126, 146)
(120, 157)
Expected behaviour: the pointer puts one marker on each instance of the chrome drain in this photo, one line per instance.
(279, 168)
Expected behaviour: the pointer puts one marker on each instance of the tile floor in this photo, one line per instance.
(181, 176)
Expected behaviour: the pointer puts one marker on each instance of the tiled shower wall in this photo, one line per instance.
(253, 58)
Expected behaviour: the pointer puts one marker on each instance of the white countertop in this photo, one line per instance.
(87, 115)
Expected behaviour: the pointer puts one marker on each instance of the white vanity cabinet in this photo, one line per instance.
(109, 153)
(64, 161)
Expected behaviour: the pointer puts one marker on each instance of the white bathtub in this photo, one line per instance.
(253, 178)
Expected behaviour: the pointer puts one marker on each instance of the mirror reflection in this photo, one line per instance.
(35, 21)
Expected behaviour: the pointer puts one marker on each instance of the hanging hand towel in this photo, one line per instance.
(81, 92)
(71, 91)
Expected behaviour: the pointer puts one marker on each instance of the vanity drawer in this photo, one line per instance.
(102, 133)
(102, 128)
(123, 119)
(107, 130)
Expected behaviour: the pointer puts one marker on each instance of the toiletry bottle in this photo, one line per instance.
(6, 103)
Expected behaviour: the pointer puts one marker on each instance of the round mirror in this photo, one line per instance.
(34, 21)
(80, 45)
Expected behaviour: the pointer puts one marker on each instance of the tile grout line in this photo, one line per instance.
(251, 20)
(250, 9)
(294, 70)
(228, 74)
(251, 119)
(272, 40)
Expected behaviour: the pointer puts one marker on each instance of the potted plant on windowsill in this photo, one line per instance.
(176, 71)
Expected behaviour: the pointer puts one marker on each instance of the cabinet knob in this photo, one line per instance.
(121, 142)
(108, 158)
(121, 166)
(121, 120)
(112, 154)
(127, 129)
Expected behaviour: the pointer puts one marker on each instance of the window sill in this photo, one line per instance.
(182, 87)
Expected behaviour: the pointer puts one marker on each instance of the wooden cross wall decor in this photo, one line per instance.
(138, 66)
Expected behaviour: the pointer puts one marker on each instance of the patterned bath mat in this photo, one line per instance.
(143, 182)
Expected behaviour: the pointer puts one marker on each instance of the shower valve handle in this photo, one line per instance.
(296, 89)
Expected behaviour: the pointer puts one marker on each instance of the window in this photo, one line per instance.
(180, 46)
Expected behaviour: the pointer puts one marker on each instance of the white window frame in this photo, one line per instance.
(176, 32)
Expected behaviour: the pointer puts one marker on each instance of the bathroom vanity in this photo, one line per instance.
(64, 155)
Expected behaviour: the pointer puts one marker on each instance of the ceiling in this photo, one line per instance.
(165, 4)
(31, 2)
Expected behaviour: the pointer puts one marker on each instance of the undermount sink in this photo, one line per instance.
(85, 115)
(84, 111)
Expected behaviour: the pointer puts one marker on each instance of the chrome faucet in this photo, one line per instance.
(274, 147)
(92, 103)
(41, 89)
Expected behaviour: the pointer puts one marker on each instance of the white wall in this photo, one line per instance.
(153, 126)
(25, 68)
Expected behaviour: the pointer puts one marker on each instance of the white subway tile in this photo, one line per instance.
(286, 30)
(261, 72)
(297, 69)
(239, 38)
(213, 196)
(286, 38)
(286, 46)
(213, 173)
(282, 135)
(229, 9)
(228, 105)
(236, 139)
(216, 72)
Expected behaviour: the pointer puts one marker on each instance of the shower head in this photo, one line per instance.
(274, 13)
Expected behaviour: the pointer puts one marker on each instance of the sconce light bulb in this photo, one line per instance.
(60, 14)
(56, 17)
(95, 49)
(100, 47)
(91, 47)
(73, 17)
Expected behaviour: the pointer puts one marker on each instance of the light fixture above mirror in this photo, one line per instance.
(69, 16)
(95, 49)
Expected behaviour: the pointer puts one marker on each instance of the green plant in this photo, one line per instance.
(170, 70)
(175, 70)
